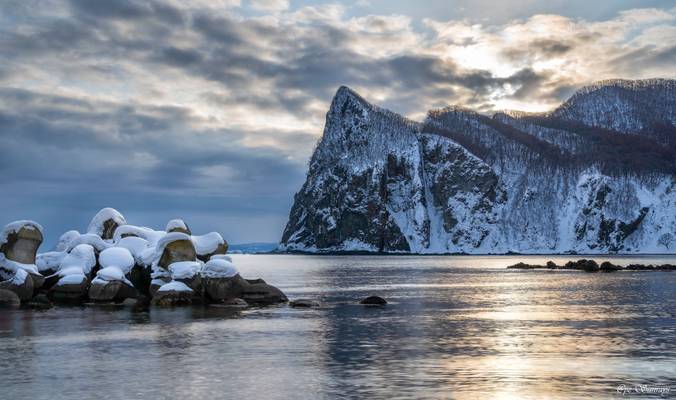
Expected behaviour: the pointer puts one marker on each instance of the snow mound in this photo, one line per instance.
(90, 239)
(72, 279)
(208, 243)
(64, 241)
(96, 225)
(15, 227)
(176, 223)
(49, 260)
(136, 246)
(117, 257)
(110, 274)
(150, 235)
(221, 257)
(219, 268)
(82, 256)
(175, 286)
(184, 269)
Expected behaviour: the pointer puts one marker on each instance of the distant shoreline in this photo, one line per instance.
(377, 254)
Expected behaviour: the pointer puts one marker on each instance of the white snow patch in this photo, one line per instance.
(72, 279)
(184, 269)
(64, 241)
(117, 257)
(176, 223)
(174, 286)
(49, 260)
(219, 268)
(207, 243)
(82, 256)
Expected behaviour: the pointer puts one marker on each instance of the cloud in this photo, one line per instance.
(269, 5)
(210, 110)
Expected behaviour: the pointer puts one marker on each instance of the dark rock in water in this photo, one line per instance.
(522, 265)
(373, 301)
(142, 304)
(666, 267)
(639, 267)
(583, 264)
(21, 284)
(304, 303)
(40, 302)
(110, 291)
(69, 292)
(607, 266)
(218, 289)
(588, 265)
(233, 302)
(552, 265)
(170, 298)
(139, 276)
(9, 299)
(260, 293)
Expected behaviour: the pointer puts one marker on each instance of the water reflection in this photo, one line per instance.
(457, 327)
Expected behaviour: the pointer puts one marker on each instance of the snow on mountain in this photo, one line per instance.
(580, 179)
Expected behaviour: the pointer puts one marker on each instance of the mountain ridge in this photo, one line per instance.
(465, 182)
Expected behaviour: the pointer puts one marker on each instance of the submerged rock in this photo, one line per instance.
(21, 284)
(40, 302)
(304, 303)
(70, 288)
(9, 299)
(373, 301)
(522, 265)
(172, 294)
(607, 266)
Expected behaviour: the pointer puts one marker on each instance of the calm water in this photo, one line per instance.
(456, 327)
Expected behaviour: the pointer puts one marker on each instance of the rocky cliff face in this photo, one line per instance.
(577, 179)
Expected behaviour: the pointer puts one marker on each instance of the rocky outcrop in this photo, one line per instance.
(593, 266)
(598, 175)
(115, 261)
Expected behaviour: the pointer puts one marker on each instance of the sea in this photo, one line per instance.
(455, 327)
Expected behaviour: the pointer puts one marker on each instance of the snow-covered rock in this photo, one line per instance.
(209, 244)
(118, 257)
(63, 244)
(105, 222)
(184, 269)
(81, 256)
(219, 268)
(178, 225)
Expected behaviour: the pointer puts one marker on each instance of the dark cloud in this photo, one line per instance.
(136, 158)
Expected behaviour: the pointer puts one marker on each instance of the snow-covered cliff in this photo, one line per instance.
(596, 175)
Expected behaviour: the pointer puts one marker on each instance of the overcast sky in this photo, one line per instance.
(208, 110)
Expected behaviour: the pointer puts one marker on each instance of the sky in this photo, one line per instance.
(208, 110)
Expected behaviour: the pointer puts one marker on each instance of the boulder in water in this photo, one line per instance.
(9, 299)
(607, 266)
(304, 303)
(174, 293)
(21, 284)
(373, 301)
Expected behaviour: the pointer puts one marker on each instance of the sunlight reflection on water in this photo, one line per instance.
(456, 327)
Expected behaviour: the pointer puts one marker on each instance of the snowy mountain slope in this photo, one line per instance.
(462, 182)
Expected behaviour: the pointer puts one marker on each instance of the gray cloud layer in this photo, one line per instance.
(166, 109)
